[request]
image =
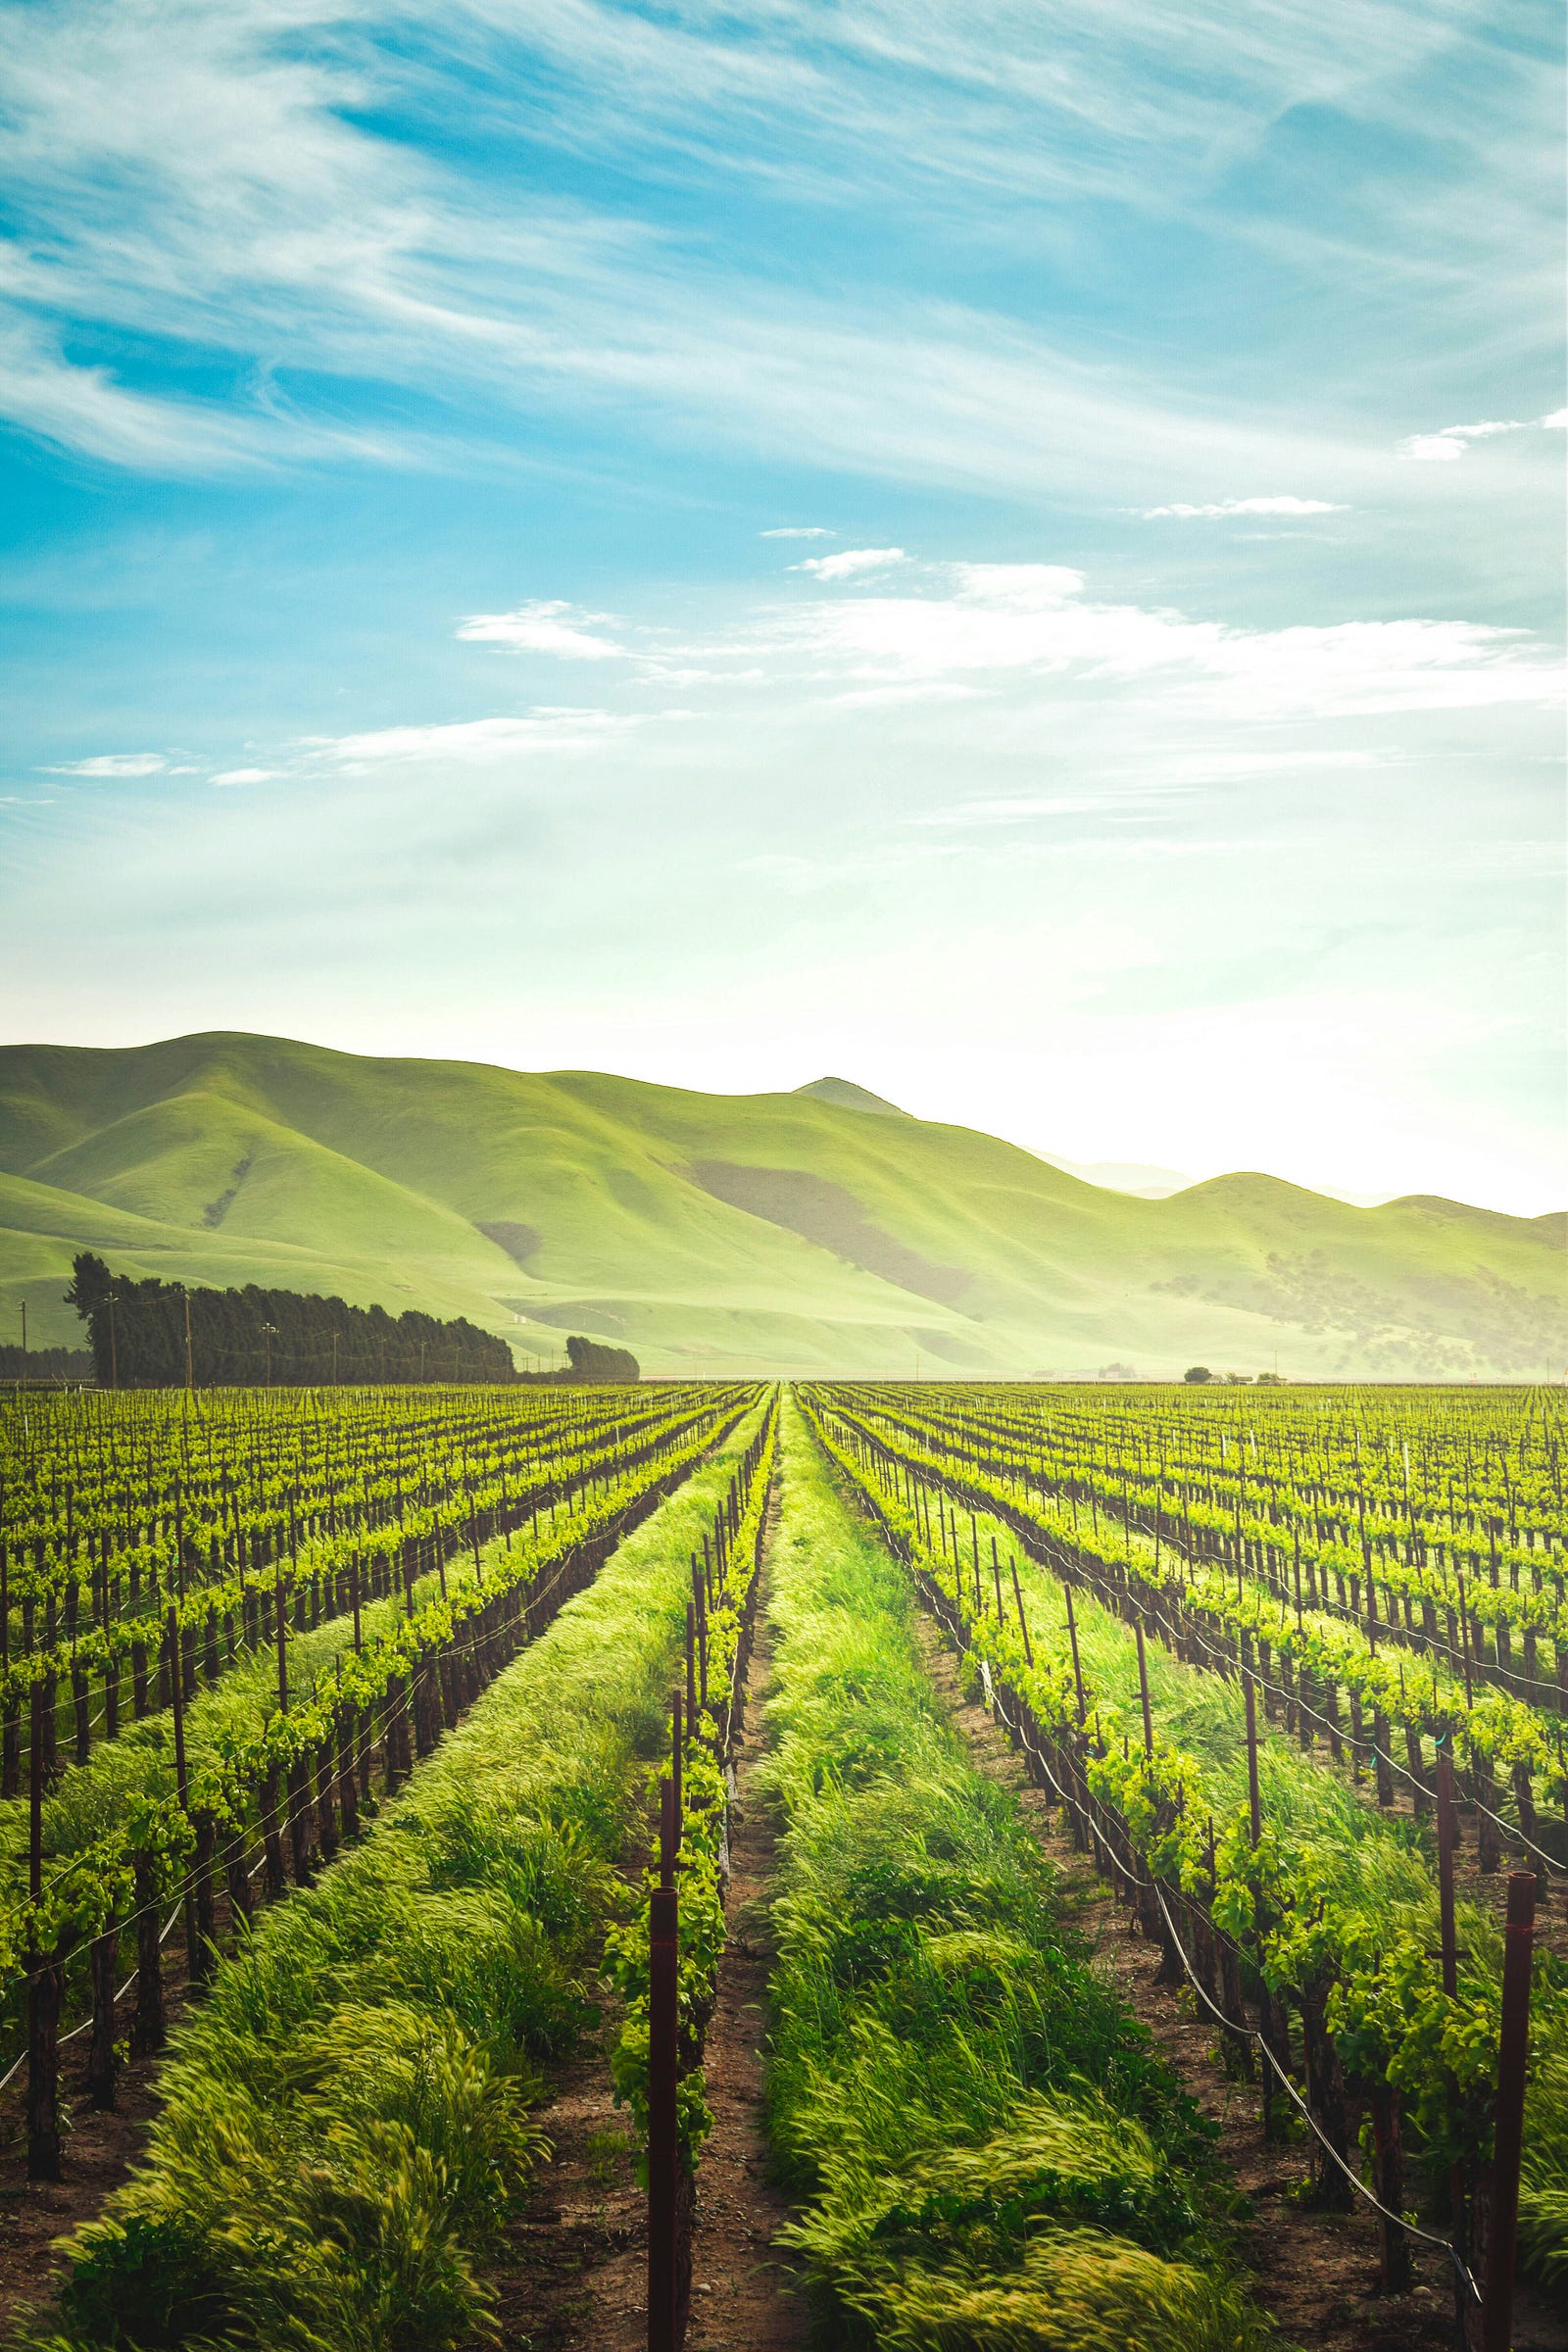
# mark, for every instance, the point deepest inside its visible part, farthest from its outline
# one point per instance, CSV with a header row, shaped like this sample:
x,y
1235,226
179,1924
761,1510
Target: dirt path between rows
x,y
576,2273
1315,2272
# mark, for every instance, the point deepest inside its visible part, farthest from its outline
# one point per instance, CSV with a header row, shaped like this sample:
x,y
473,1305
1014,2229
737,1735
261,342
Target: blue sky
x,y
1012,553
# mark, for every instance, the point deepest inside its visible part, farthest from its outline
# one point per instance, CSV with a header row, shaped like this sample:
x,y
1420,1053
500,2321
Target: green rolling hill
x,y
821,1231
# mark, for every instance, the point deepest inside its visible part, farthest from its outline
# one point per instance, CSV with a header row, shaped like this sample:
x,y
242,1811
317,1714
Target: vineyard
x,y
1151,1807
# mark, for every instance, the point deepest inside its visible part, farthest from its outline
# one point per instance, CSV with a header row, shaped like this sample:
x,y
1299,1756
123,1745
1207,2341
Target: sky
x,y
1007,550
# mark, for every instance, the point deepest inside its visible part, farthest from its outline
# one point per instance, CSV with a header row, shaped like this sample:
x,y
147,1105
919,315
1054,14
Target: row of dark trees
x,y
45,1363
156,1333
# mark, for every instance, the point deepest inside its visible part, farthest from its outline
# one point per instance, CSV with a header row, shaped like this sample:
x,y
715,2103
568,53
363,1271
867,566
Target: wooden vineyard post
x,y
149,2027
1254,1822
193,1947
43,1985
1023,1623
662,2030
1077,1669
1496,2323
1142,1686
676,1776
103,2065
1448,1955
700,1603
691,1661
1254,1802
1389,2176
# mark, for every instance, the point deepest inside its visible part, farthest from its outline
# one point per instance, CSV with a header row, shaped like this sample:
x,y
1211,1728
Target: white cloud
x,y
806,530
1024,645
475,741
1035,619
113,763
543,628
1442,447
1432,449
1252,505
851,561
1557,421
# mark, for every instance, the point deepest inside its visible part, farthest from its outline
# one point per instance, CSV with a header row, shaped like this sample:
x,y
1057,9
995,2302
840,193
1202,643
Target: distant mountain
x,y
787,1233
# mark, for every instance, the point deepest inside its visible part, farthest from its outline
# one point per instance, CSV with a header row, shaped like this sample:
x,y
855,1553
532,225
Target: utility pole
x,y
190,1377
267,1332
24,1332
113,1361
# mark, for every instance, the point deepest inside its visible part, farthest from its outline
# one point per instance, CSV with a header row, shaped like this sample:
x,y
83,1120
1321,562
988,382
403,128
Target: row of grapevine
x,y
1386,1565
74,1617
263,1780
1480,1463
1344,1934
347,2121
1226,1581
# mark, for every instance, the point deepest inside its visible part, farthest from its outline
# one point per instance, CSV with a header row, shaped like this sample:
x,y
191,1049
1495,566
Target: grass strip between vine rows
x,y
988,2151
346,2117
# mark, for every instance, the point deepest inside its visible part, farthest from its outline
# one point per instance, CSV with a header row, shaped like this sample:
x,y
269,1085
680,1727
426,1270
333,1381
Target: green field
x,y
816,1231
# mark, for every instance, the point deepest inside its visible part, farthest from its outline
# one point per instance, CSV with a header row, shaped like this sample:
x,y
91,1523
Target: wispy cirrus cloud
x,y
113,763
261,192
473,742
798,530
1224,506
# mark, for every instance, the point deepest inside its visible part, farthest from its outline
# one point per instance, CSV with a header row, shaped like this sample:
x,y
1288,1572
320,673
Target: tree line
x,y
155,1333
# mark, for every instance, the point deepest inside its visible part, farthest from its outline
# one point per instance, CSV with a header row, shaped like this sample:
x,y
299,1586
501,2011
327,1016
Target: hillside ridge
x,y
818,1229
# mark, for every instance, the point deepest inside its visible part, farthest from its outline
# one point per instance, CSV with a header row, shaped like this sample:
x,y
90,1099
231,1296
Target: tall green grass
x,y
988,2151
346,2119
